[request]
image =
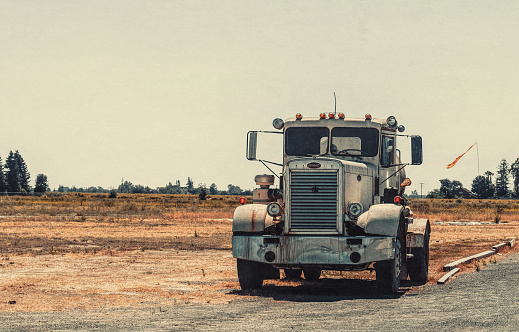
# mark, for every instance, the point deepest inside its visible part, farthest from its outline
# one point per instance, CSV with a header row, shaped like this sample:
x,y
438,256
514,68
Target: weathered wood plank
x,y
484,254
499,246
511,243
448,275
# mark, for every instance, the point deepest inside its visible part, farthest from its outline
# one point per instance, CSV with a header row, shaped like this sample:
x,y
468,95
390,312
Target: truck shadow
x,y
325,290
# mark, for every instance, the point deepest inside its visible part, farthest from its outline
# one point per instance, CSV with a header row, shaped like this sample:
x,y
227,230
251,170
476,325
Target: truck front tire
x,y
388,272
250,274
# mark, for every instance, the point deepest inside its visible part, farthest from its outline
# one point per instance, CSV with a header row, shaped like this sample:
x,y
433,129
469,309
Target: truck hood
x,y
354,167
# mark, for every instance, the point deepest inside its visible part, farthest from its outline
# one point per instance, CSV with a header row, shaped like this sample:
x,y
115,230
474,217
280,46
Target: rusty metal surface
x,y
418,226
324,250
251,218
381,219
415,240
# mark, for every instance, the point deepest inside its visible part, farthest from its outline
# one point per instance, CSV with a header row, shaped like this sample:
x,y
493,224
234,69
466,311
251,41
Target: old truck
x,y
340,205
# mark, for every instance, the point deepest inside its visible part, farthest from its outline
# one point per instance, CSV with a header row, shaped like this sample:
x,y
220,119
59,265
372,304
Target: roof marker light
x,y
341,115
331,116
397,200
243,200
368,117
299,116
322,116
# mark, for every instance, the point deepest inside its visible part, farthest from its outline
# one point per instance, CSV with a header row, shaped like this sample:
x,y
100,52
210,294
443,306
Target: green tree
x,y
483,187
23,173
3,184
41,185
503,171
514,170
233,190
449,188
489,175
436,193
126,187
202,195
213,189
12,174
190,186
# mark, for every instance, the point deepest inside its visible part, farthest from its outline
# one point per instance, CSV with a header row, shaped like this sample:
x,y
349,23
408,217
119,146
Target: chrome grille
x,y
313,201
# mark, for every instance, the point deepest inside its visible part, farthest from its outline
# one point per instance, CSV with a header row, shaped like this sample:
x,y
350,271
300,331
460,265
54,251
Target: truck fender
x,y
251,218
416,233
381,219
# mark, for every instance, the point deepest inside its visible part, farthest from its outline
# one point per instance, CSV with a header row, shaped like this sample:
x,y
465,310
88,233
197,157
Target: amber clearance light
x,y
397,200
299,116
341,115
243,200
322,116
331,116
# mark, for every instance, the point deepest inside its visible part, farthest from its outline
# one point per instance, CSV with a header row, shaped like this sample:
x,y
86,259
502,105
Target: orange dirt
x,y
57,262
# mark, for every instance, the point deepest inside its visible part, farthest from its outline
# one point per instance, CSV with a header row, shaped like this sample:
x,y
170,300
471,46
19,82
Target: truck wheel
x,y
312,273
293,273
419,264
388,272
250,274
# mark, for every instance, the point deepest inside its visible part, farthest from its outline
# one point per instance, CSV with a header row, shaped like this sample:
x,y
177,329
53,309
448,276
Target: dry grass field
x,y
69,251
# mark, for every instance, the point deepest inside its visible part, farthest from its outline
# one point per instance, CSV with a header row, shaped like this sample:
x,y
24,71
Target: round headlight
x,y
278,123
391,121
274,209
354,209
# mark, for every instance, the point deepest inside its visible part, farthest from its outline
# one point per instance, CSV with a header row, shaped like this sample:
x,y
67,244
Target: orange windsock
x,y
455,161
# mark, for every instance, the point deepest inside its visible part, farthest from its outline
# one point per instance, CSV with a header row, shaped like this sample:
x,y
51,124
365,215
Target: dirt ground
x,y
52,263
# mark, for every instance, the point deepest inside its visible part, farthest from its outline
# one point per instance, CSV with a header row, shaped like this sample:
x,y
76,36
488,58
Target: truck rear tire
x,y
293,273
250,274
418,266
388,272
312,273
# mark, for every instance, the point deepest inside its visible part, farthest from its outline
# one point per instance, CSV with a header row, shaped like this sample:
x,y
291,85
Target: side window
x,y
388,150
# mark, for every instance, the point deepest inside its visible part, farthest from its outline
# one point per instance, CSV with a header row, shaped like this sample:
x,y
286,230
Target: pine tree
x,y
514,170
12,174
502,179
23,173
3,184
190,186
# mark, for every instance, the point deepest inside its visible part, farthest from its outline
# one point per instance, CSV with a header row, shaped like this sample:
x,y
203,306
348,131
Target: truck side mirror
x,y
252,143
416,150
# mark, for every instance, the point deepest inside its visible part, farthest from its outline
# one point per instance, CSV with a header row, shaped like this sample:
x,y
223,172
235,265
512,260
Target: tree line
x,y
15,177
126,187
177,188
483,186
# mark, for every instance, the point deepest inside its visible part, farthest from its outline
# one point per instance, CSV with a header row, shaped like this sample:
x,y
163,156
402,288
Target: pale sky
x,y
155,91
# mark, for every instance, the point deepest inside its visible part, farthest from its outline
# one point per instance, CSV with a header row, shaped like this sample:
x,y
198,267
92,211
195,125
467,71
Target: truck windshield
x,y
360,142
303,141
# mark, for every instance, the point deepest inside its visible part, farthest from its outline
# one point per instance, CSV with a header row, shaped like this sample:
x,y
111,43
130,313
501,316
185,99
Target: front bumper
x,y
313,250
